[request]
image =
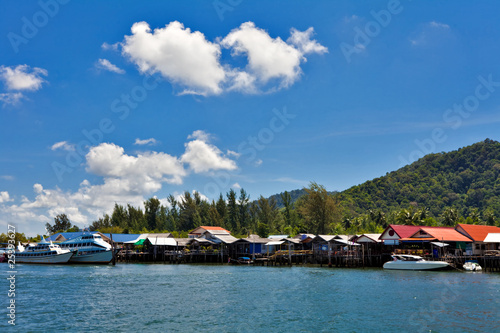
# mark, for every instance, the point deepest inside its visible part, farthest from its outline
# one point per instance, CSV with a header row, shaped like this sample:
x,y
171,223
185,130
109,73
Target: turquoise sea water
x,y
223,298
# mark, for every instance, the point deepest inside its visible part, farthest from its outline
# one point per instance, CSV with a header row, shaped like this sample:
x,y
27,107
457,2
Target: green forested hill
x,y
461,186
466,180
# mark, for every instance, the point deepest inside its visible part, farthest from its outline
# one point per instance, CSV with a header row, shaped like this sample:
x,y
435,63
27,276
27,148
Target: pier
x,y
294,258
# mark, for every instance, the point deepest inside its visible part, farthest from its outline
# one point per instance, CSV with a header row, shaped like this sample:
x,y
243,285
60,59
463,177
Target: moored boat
x,y
414,263
43,253
92,249
472,266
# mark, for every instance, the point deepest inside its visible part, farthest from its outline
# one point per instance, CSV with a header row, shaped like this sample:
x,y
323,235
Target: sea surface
x,y
223,298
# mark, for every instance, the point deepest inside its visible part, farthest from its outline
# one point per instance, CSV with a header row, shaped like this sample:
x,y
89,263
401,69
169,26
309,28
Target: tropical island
x,y
442,189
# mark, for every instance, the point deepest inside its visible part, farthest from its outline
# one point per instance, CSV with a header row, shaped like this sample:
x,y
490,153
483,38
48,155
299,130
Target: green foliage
x,y
466,181
61,224
462,186
18,237
319,210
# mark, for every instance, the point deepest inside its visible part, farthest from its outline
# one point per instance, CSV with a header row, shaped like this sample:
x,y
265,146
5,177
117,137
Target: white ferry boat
x,y
414,263
92,249
43,253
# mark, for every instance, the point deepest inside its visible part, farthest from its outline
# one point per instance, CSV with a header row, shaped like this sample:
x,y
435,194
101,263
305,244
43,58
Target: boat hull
x,y
62,258
103,257
417,266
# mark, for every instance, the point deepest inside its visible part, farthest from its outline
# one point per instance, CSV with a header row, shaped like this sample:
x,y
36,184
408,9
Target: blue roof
x,y
122,238
68,235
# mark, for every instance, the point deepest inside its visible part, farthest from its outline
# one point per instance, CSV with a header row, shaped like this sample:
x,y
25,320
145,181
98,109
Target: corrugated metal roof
x,y
293,240
338,240
344,237
218,232
162,241
68,235
183,241
202,229
255,239
277,236
226,239
492,238
369,238
325,238
275,243
202,240
446,234
402,231
478,232
124,238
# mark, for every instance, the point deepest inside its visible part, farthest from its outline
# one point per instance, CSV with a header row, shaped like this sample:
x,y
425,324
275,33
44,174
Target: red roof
x,y
403,231
200,230
445,234
213,228
478,232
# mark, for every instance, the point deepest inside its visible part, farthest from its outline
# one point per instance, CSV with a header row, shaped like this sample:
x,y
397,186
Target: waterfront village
x,y
212,244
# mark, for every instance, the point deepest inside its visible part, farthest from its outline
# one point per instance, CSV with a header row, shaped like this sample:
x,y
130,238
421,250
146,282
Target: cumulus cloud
x,y
22,77
188,60
202,156
143,172
11,98
125,179
112,47
140,142
64,145
268,58
4,196
302,40
200,135
236,185
184,57
105,64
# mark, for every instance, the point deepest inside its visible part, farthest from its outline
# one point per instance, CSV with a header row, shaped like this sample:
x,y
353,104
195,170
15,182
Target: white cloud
x,y
302,40
22,77
38,188
140,142
439,25
7,177
184,57
200,135
258,162
179,197
125,179
143,173
202,156
188,60
11,98
4,196
233,153
236,185
64,145
112,47
431,33
108,66
268,58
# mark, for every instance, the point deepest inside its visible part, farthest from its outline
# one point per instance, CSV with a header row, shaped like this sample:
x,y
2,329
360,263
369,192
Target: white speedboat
x,y
43,253
414,263
92,249
472,266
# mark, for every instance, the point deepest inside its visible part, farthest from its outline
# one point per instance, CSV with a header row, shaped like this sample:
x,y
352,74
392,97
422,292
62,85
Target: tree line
x,y
315,212
443,189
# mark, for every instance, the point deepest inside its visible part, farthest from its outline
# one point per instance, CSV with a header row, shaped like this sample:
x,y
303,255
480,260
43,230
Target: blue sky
x,y
119,101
